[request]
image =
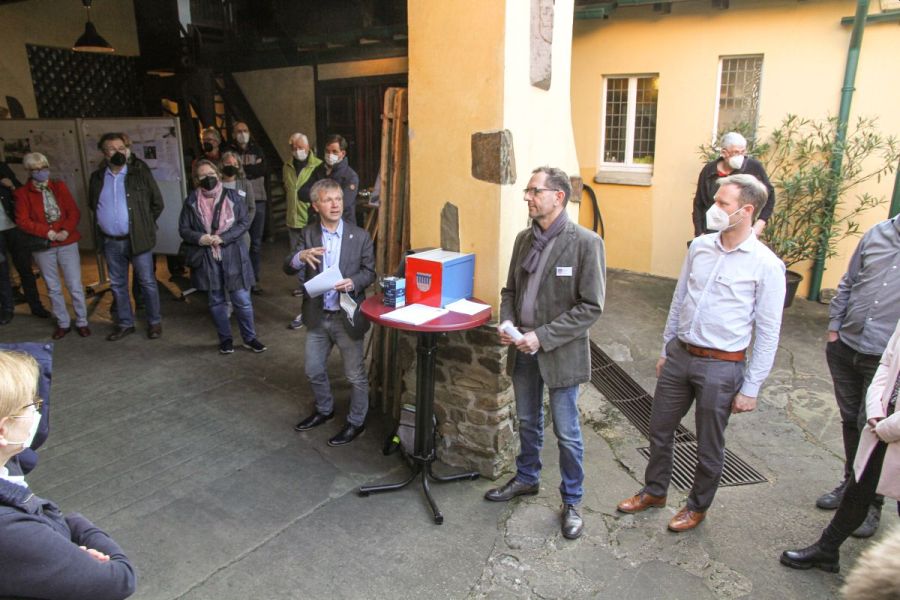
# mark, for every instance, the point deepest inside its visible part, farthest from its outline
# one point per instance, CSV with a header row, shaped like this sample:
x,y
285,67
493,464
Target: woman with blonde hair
x,y
43,553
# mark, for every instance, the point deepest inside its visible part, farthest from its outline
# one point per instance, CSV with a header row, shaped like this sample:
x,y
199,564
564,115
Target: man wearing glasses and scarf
x,y
553,294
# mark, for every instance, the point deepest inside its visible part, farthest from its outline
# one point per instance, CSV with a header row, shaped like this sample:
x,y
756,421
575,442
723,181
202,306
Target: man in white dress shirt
x,y
731,286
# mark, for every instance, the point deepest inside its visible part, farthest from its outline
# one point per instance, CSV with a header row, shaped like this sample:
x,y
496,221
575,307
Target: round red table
x,y
426,347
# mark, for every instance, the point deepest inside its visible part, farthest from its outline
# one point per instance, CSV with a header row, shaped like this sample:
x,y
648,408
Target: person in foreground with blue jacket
x,y
43,553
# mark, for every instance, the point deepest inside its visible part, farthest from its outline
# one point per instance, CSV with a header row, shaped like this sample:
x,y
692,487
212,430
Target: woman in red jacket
x,y
46,209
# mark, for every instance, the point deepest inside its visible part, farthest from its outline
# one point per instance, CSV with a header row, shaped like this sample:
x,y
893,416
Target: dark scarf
x,y
540,239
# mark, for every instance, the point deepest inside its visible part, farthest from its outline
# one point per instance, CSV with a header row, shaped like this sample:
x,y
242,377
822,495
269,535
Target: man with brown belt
x,y
731,285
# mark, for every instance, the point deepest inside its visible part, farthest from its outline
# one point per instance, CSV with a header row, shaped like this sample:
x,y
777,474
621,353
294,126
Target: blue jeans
x,y
529,389
118,255
243,310
257,227
319,342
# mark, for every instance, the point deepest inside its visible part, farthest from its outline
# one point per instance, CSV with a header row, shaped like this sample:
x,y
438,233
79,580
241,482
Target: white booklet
x,y
323,282
349,306
467,307
415,314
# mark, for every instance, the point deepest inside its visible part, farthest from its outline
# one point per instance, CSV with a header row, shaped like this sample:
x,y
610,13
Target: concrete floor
x,y
190,461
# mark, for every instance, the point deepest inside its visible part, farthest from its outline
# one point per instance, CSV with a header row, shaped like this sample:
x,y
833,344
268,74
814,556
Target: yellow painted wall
x,y
55,23
456,88
284,101
805,49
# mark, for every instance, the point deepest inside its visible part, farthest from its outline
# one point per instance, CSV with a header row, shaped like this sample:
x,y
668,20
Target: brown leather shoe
x,y
686,519
119,333
83,331
60,333
640,502
154,332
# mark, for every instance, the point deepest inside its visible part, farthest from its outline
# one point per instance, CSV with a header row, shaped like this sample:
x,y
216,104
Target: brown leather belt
x,y
736,356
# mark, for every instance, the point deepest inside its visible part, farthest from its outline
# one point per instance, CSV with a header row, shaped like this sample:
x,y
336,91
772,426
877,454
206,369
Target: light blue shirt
x,y
112,207
724,296
332,243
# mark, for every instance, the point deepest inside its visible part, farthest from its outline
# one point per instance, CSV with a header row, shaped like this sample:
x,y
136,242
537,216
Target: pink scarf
x,y
206,204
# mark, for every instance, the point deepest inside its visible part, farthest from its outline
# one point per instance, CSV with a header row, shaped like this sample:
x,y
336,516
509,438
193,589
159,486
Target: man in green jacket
x,y
554,292
126,203
297,175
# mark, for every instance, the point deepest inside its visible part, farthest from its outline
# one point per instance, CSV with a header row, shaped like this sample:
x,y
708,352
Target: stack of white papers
x,y
415,314
323,282
467,307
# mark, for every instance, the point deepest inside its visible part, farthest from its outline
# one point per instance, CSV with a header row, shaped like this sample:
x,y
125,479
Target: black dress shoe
x,y
154,332
832,499
6,317
119,333
313,420
40,312
349,433
510,490
572,524
813,556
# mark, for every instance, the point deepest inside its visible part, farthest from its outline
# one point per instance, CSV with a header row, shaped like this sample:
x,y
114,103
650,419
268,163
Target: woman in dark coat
x,y
212,224
43,553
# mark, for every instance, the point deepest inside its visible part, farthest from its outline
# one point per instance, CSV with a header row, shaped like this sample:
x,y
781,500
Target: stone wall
x,y
473,400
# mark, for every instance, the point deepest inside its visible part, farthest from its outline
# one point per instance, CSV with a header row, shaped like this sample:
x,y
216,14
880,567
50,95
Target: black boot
x,y
818,555
832,499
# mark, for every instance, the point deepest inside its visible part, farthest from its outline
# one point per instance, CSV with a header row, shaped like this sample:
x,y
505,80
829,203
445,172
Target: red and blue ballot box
x,y
439,277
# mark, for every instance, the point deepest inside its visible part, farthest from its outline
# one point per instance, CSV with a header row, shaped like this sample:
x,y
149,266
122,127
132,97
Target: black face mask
x,y
207,147
209,182
229,170
118,159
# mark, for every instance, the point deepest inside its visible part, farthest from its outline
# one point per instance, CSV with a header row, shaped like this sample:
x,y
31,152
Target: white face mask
x,y
332,159
242,137
301,154
717,219
36,420
736,161
231,185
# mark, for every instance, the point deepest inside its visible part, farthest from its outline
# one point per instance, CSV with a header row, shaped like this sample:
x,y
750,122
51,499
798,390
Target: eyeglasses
x,y
534,191
37,404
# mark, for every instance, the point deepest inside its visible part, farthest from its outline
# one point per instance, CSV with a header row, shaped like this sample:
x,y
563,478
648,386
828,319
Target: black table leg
x,y
424,454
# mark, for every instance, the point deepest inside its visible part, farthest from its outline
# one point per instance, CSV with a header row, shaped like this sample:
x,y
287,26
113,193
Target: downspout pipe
x,y
895,199
837,159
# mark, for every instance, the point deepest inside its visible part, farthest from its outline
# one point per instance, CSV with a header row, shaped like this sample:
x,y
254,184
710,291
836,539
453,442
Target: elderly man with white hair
x,y
297,175
733,160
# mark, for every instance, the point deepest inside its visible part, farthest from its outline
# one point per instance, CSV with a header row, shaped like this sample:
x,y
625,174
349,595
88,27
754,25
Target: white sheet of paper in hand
x,y
349,306
323,282
467,307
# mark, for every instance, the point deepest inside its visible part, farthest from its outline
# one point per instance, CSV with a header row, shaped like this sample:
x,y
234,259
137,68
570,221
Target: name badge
x,y
241,193
563,271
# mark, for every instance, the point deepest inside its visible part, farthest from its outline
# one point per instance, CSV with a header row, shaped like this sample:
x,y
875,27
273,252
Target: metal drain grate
x,y
636,404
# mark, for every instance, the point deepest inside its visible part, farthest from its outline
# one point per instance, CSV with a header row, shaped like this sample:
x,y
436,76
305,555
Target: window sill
x,y
624,177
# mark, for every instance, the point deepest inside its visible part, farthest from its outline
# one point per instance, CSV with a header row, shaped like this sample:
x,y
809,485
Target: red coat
x,y
30,216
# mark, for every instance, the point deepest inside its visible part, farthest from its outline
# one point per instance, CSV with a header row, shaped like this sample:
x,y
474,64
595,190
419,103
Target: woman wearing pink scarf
x,y
213,221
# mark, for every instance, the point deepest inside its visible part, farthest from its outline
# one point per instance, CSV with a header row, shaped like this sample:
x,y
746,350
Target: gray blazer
x,y
566,306
357,262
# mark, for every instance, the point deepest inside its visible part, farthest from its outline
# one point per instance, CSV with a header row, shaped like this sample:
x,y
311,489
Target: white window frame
x,y
715,128
628,172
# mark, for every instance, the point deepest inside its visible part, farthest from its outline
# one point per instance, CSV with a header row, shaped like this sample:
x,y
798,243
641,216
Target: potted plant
x,y
798,157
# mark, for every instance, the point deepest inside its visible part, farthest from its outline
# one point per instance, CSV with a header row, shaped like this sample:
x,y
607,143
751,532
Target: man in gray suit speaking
x,y
554,293
327,243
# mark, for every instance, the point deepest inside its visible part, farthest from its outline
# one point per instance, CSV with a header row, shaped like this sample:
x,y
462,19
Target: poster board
x,y
57,139
156,141
71,147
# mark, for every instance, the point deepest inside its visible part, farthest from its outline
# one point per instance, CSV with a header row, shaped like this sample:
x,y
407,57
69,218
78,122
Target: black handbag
x,y
32,243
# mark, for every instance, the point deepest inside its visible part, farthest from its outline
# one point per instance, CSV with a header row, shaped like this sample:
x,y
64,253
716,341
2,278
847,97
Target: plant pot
x,y
793,282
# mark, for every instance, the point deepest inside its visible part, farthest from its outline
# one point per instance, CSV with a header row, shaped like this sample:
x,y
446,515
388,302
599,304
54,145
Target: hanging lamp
x,y
90,40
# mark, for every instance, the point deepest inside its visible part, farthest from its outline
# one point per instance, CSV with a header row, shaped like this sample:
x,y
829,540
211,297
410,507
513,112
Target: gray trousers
x,y
713,384
68,260
319,342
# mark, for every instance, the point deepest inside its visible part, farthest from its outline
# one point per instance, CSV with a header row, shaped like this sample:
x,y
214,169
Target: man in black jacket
x,y
335,166
733,161
326,244
254,160
12,242
126,203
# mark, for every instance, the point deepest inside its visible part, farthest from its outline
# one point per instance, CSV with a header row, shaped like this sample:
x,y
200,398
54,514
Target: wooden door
x,y
352,108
